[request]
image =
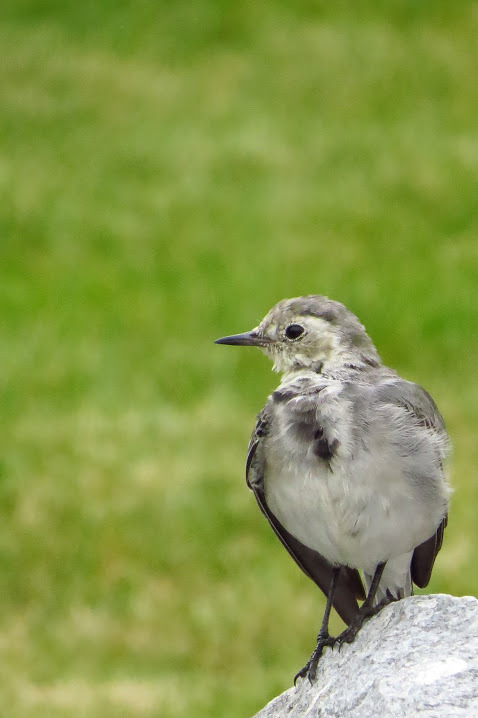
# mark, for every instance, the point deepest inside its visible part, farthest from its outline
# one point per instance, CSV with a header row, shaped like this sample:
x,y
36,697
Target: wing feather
x,y
421,406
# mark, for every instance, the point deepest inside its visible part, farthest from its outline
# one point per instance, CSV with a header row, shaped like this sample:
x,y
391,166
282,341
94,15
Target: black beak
x,y
248,339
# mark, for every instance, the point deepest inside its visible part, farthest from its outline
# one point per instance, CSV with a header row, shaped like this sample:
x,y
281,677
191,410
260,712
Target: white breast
x,y
358,509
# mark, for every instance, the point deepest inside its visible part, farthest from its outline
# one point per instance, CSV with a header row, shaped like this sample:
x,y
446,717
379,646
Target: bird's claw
x,y
348,636
310,668
365,612
302,673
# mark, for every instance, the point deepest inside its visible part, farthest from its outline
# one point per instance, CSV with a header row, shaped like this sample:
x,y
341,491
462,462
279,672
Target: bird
x,y
347,463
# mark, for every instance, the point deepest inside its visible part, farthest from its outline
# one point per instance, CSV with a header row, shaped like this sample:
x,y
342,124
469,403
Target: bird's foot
x,y
310,669
365,612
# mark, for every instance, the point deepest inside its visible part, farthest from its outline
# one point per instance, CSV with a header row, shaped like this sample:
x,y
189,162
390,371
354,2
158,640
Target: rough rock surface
x,y
417,657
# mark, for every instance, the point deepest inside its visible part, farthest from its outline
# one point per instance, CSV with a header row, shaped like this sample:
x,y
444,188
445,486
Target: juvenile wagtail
x,y
346,462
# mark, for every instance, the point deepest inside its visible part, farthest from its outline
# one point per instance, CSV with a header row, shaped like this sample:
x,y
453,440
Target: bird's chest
x,y
315,504
306,485
326,491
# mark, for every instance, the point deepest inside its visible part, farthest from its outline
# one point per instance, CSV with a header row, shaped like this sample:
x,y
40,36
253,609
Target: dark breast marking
x,y
281,395
322,448
310,433
262,427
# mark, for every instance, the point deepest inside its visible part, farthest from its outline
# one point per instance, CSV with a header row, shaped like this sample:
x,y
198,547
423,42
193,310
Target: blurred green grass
x,y
167,173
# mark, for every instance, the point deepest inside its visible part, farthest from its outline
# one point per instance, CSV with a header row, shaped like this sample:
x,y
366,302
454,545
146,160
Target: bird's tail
x,y
396,579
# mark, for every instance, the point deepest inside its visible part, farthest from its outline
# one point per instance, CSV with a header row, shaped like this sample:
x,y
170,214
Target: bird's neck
x,y
344,364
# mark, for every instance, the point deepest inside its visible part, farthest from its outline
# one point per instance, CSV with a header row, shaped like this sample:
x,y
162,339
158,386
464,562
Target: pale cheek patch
x,y
320,343
321,339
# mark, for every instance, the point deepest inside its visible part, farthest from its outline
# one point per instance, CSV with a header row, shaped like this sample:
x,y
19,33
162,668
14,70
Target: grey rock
x,y
417,657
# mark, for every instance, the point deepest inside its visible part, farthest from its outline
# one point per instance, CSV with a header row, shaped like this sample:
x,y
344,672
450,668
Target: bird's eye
x,y
293,331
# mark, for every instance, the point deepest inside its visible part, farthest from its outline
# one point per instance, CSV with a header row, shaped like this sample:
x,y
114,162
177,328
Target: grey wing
x,y
418,402
316,567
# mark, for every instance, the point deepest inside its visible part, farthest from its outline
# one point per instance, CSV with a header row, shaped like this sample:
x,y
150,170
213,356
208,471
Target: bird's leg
x,y
366,610
323,638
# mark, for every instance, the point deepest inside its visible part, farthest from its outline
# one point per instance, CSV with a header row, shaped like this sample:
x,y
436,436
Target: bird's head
x,y
311,332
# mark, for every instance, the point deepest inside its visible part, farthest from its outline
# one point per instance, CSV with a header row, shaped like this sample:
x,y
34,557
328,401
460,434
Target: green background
x,y
168,171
